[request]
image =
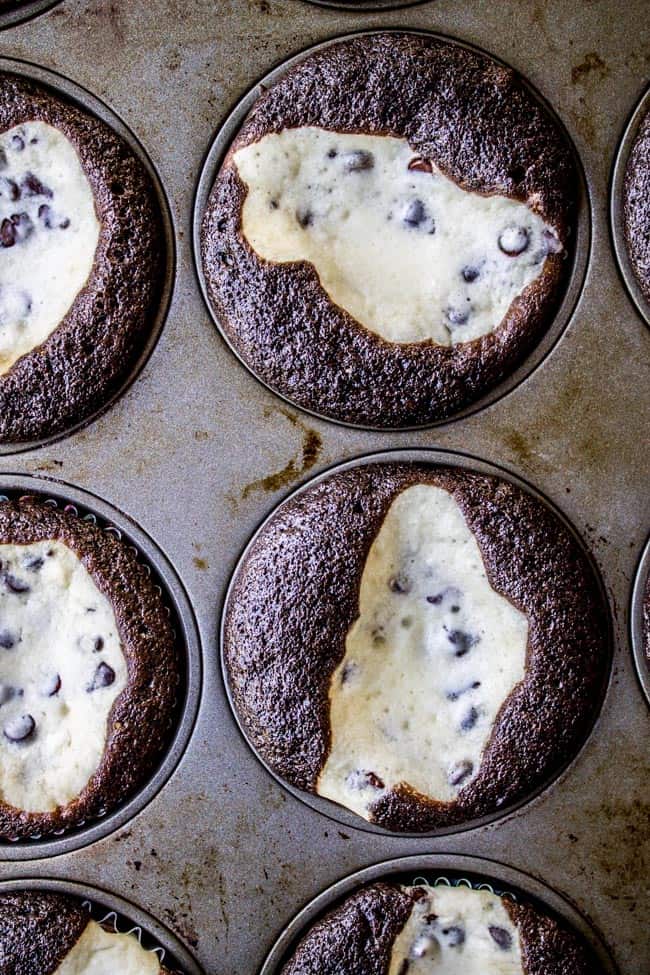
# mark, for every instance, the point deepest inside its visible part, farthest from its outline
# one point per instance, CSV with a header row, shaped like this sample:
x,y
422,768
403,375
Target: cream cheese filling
x,y
457,931
61,669
100,952
402,248
429,661
49,233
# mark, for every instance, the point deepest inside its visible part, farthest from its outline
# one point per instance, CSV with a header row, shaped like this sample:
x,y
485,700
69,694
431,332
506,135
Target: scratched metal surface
x,y
197,452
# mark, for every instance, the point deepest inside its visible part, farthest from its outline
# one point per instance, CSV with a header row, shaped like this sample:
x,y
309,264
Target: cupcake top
x,y
89,671
636,213
81,261
53,934
384,258
447,930
439,661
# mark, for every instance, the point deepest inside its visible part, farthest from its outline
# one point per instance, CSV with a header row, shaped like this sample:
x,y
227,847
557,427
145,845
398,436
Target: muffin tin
x,y
25,11
198,452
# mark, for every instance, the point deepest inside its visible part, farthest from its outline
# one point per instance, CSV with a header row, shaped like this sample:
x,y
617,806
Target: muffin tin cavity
x,y
62,667
429,662
14,12
640,621
48,235
404,249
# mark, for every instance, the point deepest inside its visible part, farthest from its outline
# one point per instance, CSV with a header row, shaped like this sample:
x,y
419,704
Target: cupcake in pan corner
x,y
423,646
387,236
82,261
44,933
89,672
452,930
636,211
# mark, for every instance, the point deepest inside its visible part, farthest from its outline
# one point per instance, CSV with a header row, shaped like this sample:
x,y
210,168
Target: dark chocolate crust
x,y
484,129
636,209
83,363
296,595
141,719
646,618
37,930
357,937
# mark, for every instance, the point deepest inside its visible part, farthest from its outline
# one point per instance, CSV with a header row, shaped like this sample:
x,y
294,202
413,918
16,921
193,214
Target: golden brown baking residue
x,y
200,563
297,466
592,62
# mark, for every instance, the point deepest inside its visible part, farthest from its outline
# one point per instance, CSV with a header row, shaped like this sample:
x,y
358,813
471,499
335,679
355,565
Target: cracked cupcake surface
x,y
81,261
390,929
89,671
433,663
636,211
44,933
386,257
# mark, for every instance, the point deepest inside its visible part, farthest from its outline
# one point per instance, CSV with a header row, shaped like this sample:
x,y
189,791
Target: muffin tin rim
x,y
174,592
582,236
530,886
642,663
113,903
435,456
367,6
27,11
65,88
616,210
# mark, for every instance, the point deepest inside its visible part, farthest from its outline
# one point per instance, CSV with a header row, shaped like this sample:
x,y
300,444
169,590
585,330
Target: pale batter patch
x,y
457,931
48,235
61,669
100,952
402,248
428,663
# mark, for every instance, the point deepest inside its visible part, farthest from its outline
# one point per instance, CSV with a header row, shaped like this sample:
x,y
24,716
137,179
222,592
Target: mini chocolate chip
x,y
460,772
435,600
457,316
347,672
99,644
273,205
420,165
20,728
514,240
332,153
469,720
7,233
50,220
34,563
15,229
3,159
305,218
17,143
51,685
399,583
9,189
7,639
454,609
462,641
104,677
454,695
32,186
358,161
14,584
454,936
470,274
8,693
502,937
415,214
363,780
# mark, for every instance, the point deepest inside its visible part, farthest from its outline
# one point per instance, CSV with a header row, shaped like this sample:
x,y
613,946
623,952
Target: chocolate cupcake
x,y
424,646
82,261
387,929
636,209
387,236
89,671
43,933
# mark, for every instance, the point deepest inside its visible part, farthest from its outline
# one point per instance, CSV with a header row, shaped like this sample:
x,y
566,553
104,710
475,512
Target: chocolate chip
x,y
358,161
273,205
469,720
419,165
364,780
91,644
454,695
8,693
348,671
332,153
104,677
34,563
51,685
460,772
7,639
305,218
50,220
3,159
15,229
400,583
14,584
502,937
454,936
470,274
435,600
20,728
17,143
462,641
514,240
454,609
457,316
415,214
9,189
32,186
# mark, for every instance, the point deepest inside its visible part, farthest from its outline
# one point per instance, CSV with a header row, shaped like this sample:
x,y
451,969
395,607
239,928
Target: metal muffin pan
x,y
636,621
25,11
121,916
442,868
182,618
616,205
89,103
443,458
198,452
573,286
